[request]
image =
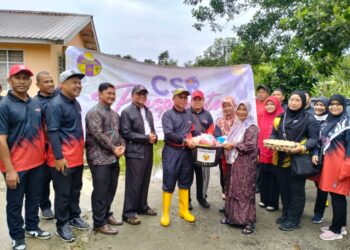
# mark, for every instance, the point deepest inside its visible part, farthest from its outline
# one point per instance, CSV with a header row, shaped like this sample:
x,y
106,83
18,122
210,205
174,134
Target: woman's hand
x,y
228,146
299,148
315,159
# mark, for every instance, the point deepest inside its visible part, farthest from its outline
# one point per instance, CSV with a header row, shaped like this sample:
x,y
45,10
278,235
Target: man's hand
x,y
119,151
12,179
190,143
60,164
152,138
315,159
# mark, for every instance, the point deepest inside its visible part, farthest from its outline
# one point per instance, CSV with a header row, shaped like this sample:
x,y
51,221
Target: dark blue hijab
x,y
332,120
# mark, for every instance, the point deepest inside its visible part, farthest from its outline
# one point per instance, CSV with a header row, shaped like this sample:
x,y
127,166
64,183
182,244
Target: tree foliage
x,y
290,43
164,59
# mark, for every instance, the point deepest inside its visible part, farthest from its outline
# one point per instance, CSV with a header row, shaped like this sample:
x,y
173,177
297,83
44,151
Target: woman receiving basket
x,y
241,153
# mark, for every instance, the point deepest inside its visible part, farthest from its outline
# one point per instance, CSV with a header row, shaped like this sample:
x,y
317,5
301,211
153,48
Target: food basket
x,y
279,145
206,156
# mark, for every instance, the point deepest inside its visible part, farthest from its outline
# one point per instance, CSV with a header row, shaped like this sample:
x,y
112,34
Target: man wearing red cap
x,y
22,156
203,123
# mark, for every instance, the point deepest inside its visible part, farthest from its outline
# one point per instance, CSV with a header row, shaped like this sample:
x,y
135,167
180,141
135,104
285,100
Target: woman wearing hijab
x,y
222,128
241,151
269,194
321,113
298,126
335,176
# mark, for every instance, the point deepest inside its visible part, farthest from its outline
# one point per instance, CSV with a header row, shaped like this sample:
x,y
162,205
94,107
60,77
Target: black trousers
x,y
292,190
105,182
27,189
177,165
137,179
339,212
321,199
67,194
45,202
201,181
269,193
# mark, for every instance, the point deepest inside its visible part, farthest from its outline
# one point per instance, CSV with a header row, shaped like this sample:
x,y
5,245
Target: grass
x,y
157,159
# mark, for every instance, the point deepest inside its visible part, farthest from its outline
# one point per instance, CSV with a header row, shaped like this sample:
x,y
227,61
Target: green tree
x,y
320,29
150,61
164,59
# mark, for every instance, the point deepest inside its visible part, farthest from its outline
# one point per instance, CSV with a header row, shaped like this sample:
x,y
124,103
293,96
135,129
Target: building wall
x,y
39,57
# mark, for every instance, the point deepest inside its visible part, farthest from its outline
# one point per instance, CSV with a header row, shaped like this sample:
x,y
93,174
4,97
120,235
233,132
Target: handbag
x,y
302,166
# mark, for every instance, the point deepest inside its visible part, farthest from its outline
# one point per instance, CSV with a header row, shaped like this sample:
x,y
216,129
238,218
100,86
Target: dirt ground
x,y
205,233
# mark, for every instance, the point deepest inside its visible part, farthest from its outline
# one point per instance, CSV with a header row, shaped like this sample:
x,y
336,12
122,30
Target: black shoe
x,y
47,214
19,245
289,226
281,220
38,234
79,224
190,206
222,210
65,233
204,203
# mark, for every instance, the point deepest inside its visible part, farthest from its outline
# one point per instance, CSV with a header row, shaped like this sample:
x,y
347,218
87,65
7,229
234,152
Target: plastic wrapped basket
x,y
206,156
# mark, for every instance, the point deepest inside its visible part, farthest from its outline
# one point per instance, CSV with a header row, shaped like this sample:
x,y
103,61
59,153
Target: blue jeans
x,y
30,188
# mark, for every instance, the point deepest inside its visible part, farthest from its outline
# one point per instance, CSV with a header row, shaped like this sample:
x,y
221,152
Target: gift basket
x,y
207,152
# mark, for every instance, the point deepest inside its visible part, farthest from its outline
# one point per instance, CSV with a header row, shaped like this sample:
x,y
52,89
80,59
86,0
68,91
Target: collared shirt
x,y
63,120
203,122
177,126
102,135
21,121
145,122
45,99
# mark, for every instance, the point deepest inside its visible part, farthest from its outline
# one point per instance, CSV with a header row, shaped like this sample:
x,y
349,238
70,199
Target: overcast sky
x,y
141,28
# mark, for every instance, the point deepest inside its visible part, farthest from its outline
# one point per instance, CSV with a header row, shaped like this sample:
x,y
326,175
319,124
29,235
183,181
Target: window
x,y
7,59
61,63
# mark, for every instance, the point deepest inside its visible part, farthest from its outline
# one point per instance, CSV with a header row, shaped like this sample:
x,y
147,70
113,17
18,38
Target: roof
x,y
45,27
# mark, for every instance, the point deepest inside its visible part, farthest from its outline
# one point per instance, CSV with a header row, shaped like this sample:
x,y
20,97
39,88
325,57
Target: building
x,y
39,39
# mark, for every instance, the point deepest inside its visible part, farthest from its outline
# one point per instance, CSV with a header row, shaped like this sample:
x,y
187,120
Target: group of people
x,y
323,132
42,140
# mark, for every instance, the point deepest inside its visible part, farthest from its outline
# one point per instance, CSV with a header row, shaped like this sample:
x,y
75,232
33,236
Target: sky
x,y
140,28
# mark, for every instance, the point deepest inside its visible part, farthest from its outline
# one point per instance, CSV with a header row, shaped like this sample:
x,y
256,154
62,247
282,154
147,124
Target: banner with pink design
x,y
160,81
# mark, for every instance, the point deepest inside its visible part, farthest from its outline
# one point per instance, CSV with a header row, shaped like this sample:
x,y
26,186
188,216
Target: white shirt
x,y
145,121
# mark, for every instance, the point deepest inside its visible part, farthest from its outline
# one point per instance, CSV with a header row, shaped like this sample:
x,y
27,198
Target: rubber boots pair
x,y
183,206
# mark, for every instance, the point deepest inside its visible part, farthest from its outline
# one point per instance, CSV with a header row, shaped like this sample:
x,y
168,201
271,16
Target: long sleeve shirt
x,y
102,135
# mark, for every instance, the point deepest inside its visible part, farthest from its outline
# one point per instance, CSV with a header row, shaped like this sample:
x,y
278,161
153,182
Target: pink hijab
x,y
225,123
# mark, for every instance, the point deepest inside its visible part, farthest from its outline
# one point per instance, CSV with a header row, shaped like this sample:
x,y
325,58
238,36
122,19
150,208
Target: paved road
x,y
206,233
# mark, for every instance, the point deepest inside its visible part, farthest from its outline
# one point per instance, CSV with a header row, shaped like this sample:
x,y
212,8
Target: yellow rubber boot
x,y
183,206
165,219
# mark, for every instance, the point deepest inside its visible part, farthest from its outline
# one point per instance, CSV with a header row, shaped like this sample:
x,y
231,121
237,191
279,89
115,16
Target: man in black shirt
x,y
46,92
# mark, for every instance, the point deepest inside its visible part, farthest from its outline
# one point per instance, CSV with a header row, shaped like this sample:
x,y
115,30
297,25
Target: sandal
x,y
248,229
149,211
224,221
132,220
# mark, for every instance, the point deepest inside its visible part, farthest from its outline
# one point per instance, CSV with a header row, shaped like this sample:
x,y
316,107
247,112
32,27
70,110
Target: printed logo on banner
x,y
88,64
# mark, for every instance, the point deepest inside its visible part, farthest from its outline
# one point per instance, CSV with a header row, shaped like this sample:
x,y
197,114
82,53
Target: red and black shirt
x,y
63,120
21,121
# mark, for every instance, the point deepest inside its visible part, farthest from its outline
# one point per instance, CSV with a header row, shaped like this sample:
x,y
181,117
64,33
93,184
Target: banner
x,y
160,81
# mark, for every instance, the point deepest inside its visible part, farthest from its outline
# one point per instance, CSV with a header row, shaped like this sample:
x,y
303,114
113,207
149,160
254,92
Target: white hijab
x,y
237,132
